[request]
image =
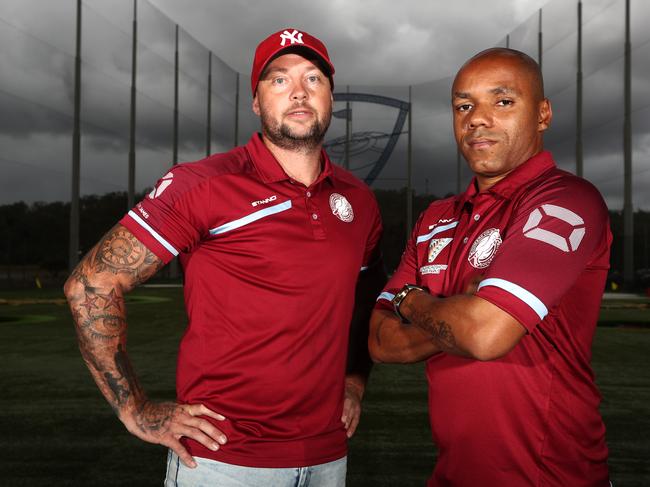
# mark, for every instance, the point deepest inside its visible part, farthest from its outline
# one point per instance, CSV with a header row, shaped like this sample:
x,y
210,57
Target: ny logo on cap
x,y
293,37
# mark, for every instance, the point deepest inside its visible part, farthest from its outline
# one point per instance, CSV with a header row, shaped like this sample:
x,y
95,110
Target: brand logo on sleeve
x,y
484,248
341,207
264,201
142,211
568,243
436,246
166,180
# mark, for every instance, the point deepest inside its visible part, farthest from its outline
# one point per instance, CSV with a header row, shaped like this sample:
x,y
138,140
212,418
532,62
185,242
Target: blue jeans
x,y
210,473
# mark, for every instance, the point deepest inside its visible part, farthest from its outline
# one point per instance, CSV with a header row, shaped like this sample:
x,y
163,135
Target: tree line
x,y
37,234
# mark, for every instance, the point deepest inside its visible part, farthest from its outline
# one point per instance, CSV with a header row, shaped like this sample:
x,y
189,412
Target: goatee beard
x,y
282,136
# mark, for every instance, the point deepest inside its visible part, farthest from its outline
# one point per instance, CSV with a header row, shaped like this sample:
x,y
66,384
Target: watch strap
x,y
400,296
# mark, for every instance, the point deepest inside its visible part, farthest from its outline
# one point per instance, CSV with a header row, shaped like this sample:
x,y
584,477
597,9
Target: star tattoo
x,y
89,303
112,299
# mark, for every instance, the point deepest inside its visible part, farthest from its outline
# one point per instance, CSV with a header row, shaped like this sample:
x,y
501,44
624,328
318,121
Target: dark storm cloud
x,y
372,42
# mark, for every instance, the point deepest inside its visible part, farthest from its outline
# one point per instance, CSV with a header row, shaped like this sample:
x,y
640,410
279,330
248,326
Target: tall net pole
x,y
173,265
208,125
348,131
540,41
134,50
236,141
579,155
409,173
73,249
628,211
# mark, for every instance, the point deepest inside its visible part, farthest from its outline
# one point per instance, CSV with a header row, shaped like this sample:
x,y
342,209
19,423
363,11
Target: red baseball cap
x,y
283,40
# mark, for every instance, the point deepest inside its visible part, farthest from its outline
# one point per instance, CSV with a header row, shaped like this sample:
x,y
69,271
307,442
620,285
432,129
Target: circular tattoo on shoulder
x,y
120,252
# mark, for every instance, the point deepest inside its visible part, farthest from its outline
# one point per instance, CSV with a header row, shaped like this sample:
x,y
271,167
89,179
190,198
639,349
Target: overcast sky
x,y
372,42
378,47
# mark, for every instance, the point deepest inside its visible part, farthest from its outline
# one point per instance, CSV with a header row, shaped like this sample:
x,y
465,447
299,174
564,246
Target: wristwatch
x,y
399,297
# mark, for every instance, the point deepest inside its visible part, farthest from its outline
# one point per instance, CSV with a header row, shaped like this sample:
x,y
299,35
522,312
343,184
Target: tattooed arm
x,y
95,292
464,325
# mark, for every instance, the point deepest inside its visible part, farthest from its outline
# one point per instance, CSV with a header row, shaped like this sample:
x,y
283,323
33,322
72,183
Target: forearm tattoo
x,y
118,263
439,331
125,381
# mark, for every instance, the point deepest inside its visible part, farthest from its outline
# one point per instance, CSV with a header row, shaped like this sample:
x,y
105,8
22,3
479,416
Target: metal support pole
x,y
628,210
579,155
134,43
508,41
645,244
237,112
73,248
173,265
540,44
409,174
208,130
175,143
346,161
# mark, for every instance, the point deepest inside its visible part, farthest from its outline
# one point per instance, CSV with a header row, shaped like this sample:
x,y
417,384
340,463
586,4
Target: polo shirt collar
x,y
269,168
521,176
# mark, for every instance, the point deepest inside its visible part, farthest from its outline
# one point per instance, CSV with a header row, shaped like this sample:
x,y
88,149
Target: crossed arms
x,y
464,325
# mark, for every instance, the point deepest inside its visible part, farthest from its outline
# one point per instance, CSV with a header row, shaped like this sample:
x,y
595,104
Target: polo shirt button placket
x,y
314,215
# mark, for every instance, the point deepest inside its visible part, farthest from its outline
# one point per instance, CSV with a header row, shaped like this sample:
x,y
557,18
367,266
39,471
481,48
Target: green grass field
x,y
56,429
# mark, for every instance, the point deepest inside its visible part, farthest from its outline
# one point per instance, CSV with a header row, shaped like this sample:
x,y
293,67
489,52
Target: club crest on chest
x,y
341,207
484,248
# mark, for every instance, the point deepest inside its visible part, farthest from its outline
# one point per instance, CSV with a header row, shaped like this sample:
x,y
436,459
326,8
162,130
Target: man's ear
x,y
256,105
545,115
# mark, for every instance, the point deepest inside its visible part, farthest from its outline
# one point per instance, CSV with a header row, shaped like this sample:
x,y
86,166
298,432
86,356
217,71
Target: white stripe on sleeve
x,y
386,295
526,296
153,233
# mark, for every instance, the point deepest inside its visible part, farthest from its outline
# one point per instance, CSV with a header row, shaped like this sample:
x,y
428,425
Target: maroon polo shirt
x,y
270,271
539,241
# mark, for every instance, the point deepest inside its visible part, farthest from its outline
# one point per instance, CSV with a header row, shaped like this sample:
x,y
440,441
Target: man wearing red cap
x,y
274,241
